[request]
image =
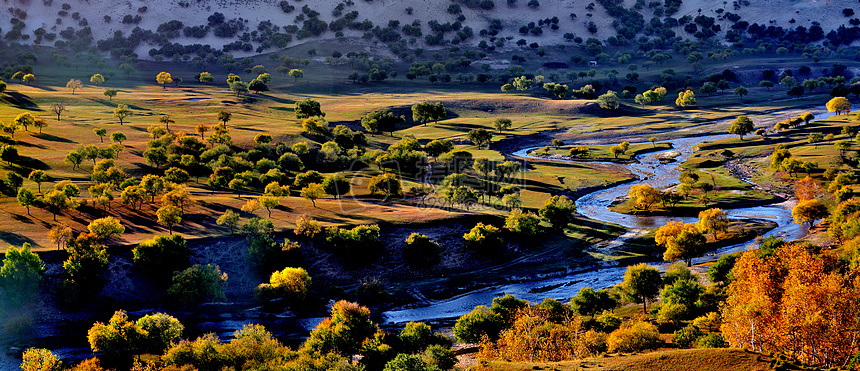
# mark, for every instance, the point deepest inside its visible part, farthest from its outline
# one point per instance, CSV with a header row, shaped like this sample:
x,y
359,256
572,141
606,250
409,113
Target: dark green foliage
x,y
589,302
507,307
354,245
480,321
198,284
421,250
721,270
687,336
20,275
162,255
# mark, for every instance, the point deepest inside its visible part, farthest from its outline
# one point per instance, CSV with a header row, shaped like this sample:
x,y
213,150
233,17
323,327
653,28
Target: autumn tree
x,y
290,283
682,241
387,185
713,221
343,332
641,283
73,85
106,227
809,211
313,192
643,196
24,120
163,78
97,79
839,105
40,359
686,99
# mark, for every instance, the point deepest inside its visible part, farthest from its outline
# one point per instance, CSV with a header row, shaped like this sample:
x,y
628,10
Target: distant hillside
x,y
253,27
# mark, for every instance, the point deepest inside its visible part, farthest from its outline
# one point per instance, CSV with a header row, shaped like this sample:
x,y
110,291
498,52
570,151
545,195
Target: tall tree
x,y
641,283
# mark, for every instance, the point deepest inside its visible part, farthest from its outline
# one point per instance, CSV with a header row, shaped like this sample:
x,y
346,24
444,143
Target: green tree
x,y
20,274
308,108
110,93
230,219
480,322
198,284
336,185
169,216
26,198
558,211
38,177
641,283
741,126
589,302
741,91
162,255
257,86
378,121
426,111
480,137
502,124
239,88
421,250
296,74
101,132
121,112
609,101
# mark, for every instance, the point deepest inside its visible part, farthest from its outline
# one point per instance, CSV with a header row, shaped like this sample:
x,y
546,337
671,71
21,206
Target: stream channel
x,y
595,205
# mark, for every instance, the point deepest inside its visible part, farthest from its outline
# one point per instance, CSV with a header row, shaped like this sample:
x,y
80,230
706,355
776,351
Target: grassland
x,y
664,360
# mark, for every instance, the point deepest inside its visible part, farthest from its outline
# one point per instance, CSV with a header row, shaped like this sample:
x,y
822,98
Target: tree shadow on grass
x,y
15,239
31,163
53,138
21,101
113,104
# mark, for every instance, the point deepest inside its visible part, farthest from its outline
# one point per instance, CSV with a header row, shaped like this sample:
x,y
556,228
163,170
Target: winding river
x,y
595,205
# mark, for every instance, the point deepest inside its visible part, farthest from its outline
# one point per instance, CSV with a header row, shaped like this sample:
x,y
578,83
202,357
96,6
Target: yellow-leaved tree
x,y
683,241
